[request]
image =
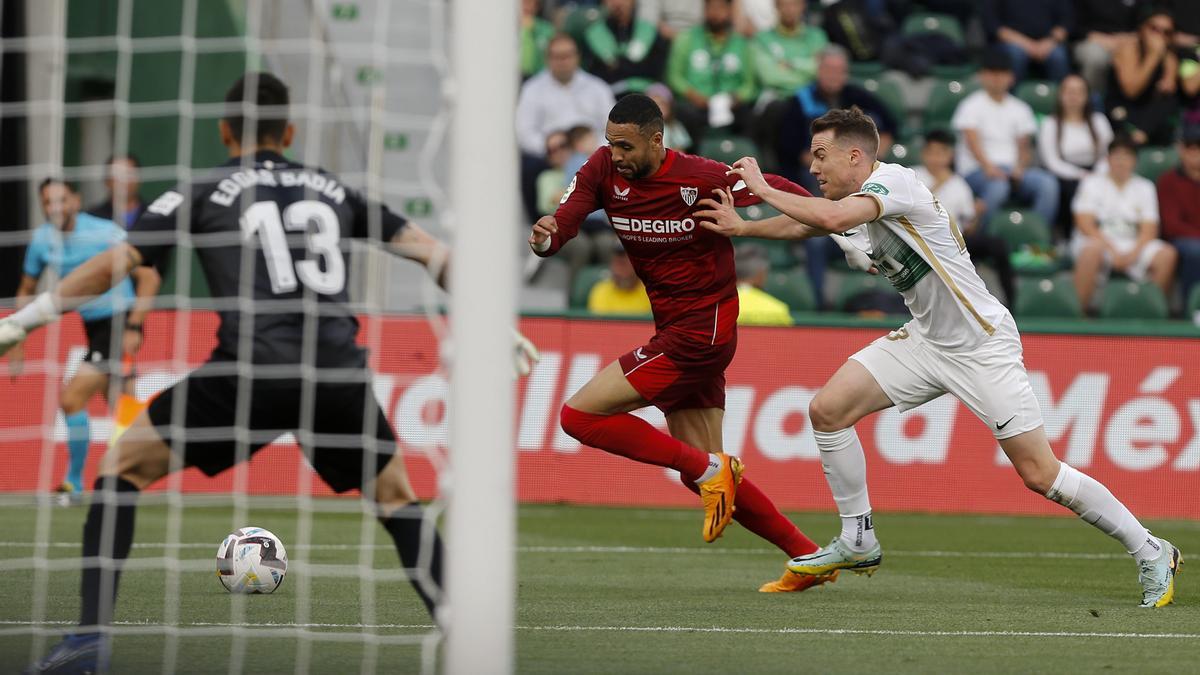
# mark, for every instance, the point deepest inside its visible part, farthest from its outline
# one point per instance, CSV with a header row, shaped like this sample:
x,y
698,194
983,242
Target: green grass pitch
x,y
606,590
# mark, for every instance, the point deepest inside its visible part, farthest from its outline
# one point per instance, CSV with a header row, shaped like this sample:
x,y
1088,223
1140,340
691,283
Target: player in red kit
x,y
650,194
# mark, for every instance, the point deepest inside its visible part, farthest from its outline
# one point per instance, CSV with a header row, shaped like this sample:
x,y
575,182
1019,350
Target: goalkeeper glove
x,y
524,354
857,259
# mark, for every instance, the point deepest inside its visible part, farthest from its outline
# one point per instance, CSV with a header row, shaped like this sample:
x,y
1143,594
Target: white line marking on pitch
x,y
667,550
669,629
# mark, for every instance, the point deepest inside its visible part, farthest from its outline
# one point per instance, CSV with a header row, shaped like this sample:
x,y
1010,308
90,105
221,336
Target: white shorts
x,y
990,379
1140,267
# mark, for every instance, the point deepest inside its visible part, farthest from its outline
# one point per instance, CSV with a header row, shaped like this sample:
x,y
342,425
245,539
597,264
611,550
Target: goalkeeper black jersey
x,y
272,239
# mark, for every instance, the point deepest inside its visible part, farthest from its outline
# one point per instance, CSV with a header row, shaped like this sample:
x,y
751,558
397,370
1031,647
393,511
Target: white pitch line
x,y
666,629
663,550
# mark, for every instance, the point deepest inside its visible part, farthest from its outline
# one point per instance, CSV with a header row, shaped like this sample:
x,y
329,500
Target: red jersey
x,y
687,270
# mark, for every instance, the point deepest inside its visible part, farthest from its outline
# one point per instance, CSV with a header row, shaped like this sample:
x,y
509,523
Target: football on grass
x,y
251,560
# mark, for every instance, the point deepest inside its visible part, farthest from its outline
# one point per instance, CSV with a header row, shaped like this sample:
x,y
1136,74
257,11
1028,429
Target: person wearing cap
x,y
757,307
1179,208
621,292
994,149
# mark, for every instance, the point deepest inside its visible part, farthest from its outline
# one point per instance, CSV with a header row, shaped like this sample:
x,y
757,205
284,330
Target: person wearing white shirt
x,y
560,97
994,150
1116,226
1071,143
937,174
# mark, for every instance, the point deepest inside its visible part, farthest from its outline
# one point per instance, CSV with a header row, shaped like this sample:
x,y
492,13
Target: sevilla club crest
x,y
689,194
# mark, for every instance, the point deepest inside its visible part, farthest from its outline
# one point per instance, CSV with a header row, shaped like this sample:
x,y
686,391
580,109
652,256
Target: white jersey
x,y
917,245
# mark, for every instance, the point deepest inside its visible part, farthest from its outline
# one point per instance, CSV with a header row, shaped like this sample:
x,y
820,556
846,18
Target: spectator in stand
x,y
1189,86
1141,96
756,306
551,182
624,50
830,90
621,292
1072,143
675,135
535,38
937,173
1031,31
994,150
711,73
1101,25
672,17
596,239
1179,206
1116,226
785,57
559,97
751,17
124,202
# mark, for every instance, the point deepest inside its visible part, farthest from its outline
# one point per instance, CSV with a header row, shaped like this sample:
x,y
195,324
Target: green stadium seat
x,y
728,149
955,71
932,22
1041,96
944,99
860,70
1155,161
1020,228
1193,302
905,154
582,284
1125,299
854,283
892,96
792,287
1047,297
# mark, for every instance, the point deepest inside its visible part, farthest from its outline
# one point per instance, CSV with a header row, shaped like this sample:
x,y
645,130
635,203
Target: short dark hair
x,y
939,136
637,109
577,132
271,93
851,123
55,180
1123,141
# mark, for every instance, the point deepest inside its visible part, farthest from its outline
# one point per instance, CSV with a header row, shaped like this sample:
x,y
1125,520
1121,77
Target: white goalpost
x,y
481,523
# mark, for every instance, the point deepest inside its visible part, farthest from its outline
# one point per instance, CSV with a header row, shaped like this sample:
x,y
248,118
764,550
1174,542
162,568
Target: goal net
x,y
382,97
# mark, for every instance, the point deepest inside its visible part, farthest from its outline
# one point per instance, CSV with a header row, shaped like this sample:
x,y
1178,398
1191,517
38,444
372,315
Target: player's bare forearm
x,y
419,246
781,227
97,276
146,283
822,214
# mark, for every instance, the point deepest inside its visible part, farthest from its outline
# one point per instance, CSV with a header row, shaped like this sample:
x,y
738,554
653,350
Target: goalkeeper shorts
x,y
344,432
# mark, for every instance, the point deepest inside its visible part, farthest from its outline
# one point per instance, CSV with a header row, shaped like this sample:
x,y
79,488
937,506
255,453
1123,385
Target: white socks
x,y
714,465
41,311
1097,506
846,472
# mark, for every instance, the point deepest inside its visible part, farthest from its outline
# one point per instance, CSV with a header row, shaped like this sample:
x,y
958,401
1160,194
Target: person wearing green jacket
x,y
785,57
535,38
712,74
623,50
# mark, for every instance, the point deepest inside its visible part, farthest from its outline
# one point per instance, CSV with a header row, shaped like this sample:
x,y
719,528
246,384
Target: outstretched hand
x,y
751,174
719,215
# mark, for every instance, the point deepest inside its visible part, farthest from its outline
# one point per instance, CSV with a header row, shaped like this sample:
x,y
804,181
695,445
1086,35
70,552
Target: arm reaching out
x,y
822,214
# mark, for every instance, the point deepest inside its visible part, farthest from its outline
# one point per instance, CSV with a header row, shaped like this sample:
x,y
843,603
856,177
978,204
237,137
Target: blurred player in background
x,y
68,239
289,220
961,341
650,195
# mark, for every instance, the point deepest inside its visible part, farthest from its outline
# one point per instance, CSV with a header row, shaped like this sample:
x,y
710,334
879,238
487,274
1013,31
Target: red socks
x,y
755,511
638,440
635,438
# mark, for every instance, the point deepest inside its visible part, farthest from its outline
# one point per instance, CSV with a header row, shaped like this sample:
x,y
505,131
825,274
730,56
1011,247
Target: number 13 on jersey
x,y
265,219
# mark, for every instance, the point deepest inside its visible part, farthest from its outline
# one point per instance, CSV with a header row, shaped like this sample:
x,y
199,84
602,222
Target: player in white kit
x,y
960,341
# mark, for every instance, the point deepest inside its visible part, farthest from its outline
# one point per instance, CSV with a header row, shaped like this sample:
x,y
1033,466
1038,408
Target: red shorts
x,y
679,376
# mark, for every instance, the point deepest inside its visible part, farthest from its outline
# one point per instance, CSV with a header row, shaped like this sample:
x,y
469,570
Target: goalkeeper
x,y
270,236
